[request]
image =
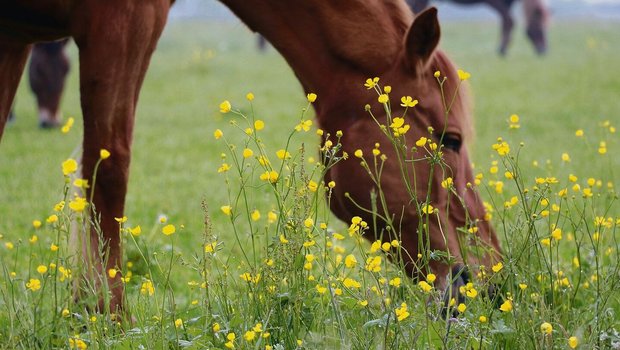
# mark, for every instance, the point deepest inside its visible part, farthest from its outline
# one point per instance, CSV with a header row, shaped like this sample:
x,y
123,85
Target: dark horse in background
x,y
47,72
332,47
535,13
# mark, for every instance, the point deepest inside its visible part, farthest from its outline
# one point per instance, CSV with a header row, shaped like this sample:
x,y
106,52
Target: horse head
x,y
49,66
536,16
406,58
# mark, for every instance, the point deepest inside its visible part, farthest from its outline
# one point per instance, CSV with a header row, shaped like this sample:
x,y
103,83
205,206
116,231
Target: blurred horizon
x,y
560,9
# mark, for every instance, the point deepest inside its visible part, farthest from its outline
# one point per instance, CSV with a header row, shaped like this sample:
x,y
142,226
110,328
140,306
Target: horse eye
x,y
452,142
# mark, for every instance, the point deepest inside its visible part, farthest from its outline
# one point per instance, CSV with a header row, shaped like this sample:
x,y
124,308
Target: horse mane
x,y
374,53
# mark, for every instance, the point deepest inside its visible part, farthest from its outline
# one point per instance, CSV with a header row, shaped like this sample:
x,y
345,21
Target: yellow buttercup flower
x,y
210,247
81,183
259,125
447,183
78,204
383,98
312,186
69,166
546,328
147,288
501,147
565,157
351,283
136,231
373,264
399,127
272,217
506,306
320,289
308,222
303,125
311,97
428,209
463,75
408,101
421,141
271,176
249,96
34,284
283,154
223,168
218,133
247,153
573,342
401,312
65,128
168,230
226,209
104,153
557,234
225,106
249,335
425,286
371,83
350,261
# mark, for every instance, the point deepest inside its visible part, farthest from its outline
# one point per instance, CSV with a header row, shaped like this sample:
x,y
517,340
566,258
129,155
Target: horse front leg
x,y
12,61
113,64
507,24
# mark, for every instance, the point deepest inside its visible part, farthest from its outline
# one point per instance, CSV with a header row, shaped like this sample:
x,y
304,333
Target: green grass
x,y
175,158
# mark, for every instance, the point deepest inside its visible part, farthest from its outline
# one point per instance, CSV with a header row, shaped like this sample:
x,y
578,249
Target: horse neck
x,y
324,40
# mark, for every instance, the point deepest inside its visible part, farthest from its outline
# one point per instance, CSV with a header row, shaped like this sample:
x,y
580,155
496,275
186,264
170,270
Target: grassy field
x,y
175,162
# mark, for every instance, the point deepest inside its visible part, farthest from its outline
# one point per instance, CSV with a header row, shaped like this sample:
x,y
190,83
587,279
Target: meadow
x,y
225,284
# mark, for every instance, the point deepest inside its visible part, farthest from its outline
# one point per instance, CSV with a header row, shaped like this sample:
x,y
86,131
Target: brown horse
x,y
47,72
331,46
535,13
48,69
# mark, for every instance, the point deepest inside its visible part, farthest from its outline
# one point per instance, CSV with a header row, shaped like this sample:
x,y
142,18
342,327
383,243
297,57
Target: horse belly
x,y
29,21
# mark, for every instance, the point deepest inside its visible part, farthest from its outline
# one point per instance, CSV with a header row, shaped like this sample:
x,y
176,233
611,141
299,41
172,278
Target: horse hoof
x,y
48,124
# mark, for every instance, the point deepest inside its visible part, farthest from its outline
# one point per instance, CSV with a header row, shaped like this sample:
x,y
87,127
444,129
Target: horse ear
x,y
422,38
